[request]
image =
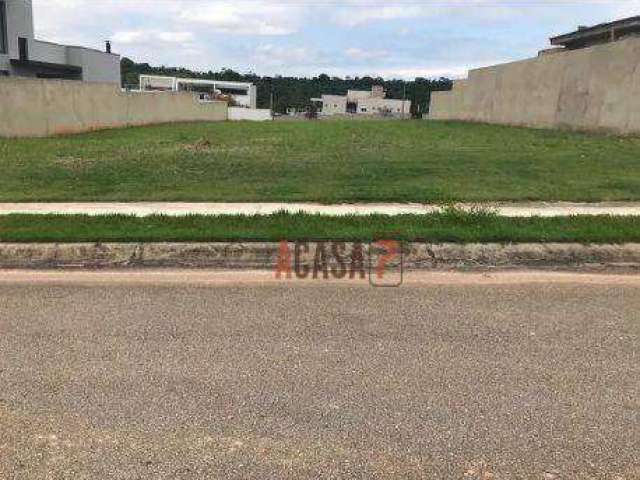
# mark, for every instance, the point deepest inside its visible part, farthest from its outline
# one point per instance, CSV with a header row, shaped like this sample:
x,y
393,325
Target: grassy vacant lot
x,y
331,162
440,227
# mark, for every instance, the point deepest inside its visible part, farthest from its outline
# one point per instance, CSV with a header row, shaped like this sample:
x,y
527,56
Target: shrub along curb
x,y
261,256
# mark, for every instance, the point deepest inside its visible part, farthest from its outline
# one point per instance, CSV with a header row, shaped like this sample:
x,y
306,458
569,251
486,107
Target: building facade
x,y
363,102
244,94
21,54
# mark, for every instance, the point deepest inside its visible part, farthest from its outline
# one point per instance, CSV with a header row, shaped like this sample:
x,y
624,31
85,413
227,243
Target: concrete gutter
x,y
142,209
265,256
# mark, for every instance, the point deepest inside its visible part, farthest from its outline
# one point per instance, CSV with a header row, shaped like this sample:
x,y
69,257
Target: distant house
x,y
363,102
22,55
243,94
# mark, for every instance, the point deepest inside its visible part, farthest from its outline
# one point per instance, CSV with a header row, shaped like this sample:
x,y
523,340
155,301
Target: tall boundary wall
x,y
37,107
592,89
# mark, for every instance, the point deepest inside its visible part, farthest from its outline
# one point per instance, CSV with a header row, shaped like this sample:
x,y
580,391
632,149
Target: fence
x,y
37,107
595,88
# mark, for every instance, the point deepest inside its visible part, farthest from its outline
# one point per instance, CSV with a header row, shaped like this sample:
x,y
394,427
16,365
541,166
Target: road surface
x,y
192,375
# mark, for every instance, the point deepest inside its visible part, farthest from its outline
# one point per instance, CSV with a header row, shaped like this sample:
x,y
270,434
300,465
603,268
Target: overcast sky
x,y
401,39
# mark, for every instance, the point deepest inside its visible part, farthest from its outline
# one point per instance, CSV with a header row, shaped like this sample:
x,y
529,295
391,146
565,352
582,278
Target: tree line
x,y
280,92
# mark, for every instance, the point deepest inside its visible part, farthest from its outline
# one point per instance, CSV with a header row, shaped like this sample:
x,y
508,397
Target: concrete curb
x,y
179,209
261,256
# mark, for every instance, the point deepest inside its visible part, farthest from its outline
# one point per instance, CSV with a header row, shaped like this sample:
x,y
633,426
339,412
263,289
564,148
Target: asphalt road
x,y
179,375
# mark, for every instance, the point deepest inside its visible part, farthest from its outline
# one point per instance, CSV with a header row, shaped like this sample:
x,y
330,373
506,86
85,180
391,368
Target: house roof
x,y
587,34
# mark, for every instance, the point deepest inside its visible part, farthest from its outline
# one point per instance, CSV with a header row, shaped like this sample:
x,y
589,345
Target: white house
x,y
363,102
22,55
244,94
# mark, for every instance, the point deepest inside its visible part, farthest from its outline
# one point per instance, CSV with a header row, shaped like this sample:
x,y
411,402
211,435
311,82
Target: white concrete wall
x,y
595,88
251,114
47,52
96,66
36,107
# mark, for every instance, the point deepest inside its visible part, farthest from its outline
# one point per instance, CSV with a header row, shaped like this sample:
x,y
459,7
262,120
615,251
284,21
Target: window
x,y
3,27
23,49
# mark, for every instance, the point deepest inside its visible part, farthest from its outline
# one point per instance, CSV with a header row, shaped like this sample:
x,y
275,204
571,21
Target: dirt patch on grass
x,y
200,146
74,164
207,146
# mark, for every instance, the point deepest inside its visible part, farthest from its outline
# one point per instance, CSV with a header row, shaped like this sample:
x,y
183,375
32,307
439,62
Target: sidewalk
x,y
543,209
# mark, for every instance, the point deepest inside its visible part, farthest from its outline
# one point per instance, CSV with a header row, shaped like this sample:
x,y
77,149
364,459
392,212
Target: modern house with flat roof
x,y
244,94
22,55
363,102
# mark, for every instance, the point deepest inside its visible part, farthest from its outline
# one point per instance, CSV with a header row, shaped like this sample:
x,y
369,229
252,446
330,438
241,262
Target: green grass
x,y
451,226
341,161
